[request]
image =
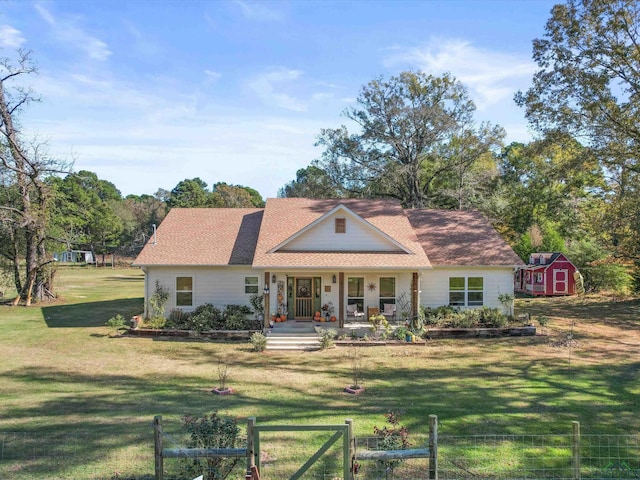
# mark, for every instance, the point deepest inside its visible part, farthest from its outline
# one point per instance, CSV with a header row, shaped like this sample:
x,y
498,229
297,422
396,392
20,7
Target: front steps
x,y
299,337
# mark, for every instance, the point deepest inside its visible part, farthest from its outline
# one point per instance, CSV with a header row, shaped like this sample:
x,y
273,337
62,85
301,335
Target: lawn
x,y
92,396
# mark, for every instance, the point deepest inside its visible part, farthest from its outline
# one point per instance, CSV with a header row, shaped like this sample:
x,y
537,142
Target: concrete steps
x,y
293,338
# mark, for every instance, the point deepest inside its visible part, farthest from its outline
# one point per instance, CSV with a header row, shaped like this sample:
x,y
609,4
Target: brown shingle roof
x,y
459,237
204,236
245,236
285,217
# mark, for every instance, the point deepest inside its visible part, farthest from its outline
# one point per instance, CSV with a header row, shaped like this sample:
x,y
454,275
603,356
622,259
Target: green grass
x,y
67,379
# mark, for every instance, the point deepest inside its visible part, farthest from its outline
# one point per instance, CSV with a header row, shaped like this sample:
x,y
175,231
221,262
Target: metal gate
x,y
341,432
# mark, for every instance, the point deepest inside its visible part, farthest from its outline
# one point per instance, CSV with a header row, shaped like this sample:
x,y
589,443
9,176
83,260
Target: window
x,y
355,292
387,291
250,284
184,291
475,293
341,225
539,277
466,291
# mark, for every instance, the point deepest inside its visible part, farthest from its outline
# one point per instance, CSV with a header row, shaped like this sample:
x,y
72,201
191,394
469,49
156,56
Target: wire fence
x,y
26,456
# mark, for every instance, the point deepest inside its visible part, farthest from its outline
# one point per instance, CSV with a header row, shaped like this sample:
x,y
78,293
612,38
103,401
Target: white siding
x,y
434,284
219,286
359,236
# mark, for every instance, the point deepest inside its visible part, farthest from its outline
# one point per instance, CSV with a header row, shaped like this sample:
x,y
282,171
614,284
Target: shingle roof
x,y
204,236
245,236
461,237
284,217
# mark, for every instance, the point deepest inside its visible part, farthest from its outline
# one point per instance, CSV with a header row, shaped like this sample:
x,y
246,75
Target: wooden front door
x,y
306,289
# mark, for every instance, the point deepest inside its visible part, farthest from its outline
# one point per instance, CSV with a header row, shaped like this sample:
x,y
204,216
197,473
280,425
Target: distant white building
x,y
75,256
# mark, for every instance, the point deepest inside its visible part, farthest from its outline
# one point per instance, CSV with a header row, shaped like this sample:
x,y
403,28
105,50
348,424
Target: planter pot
x,y
222,391
354,390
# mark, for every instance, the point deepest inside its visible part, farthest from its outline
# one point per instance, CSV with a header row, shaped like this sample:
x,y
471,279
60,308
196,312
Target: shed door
x,y
560,281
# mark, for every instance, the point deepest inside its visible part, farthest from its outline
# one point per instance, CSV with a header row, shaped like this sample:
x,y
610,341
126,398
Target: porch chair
x,y
389,311
353,313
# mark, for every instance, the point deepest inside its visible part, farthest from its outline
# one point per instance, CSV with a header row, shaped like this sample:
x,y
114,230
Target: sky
x,y
148,93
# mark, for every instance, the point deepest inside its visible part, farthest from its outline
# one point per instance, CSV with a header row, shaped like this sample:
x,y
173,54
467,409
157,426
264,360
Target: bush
x,y
156,322
392,437
493,317
205,317
212,431
400,333
258,342
327,336
178,319
234,317
117,323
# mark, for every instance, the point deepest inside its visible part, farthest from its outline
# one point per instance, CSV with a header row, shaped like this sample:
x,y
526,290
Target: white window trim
x,y
257,284
466,291
395,290
193,289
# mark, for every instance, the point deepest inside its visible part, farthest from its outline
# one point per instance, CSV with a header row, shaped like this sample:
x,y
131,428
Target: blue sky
x,y
148,93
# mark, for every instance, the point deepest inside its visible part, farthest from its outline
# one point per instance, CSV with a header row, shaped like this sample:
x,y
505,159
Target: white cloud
x,y
10,37
212,76
68,32
258,11
491,76
270,87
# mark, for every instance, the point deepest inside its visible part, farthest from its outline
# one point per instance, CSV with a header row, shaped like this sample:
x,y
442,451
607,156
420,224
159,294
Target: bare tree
x,y
25,197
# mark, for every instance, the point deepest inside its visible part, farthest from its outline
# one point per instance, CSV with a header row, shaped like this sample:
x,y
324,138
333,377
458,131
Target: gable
x,y
340,230
301,233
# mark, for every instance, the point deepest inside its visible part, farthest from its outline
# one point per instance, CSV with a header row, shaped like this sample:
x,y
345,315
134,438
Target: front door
x,y
306,297
560,281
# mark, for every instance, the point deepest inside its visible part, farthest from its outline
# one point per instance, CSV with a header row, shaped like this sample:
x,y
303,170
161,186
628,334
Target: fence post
x,y
251,461
350,453
576,450
433,447
157,438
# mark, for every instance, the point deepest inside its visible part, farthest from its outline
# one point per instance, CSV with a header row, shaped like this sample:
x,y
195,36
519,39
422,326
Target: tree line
x,y
413,137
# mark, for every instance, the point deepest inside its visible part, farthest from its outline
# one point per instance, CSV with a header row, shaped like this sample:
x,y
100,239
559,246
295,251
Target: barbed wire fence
x,y
25,455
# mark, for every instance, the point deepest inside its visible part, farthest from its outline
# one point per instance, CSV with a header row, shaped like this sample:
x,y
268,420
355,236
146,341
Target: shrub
x,y
156,322
117,323
493,317
327,336
379,325
212,431
392,437
178,319
157,302
205,317
258,342
400,333
234,317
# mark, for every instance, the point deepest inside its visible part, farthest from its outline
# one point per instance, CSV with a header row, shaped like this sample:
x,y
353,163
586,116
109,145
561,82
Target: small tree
x,y
211,431
223,372
356,367
391,437
157,302
257,303
379,325
506,299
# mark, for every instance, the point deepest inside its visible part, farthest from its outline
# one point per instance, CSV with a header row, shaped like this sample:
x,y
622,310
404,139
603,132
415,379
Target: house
x,y
353,255
547,274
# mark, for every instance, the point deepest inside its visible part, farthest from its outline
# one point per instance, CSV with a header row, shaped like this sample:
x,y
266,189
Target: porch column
x,y
341,299
267,296
414,294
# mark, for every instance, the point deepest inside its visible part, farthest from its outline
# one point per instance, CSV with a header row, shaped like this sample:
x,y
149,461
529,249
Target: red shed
x,y
547,274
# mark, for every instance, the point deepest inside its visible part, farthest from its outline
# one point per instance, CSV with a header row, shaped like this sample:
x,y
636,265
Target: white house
x,y
354,255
